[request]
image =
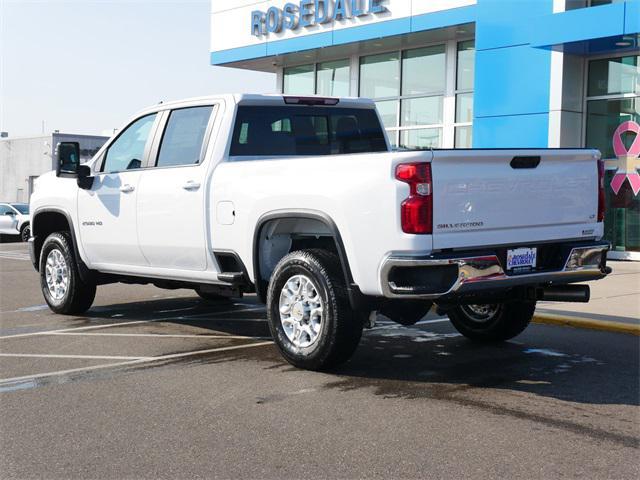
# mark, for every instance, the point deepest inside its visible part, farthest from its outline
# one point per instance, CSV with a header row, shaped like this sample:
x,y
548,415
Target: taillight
x,y
416,211
601,203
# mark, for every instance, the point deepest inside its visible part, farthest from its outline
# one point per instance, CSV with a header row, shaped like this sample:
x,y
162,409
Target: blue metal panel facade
x,y
514,44
512,79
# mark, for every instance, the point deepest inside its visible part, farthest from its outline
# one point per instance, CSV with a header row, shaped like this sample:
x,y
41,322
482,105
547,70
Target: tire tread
x,y
513,320
82,294
347,327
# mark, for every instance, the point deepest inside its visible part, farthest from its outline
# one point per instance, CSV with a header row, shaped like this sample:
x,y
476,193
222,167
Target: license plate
x,y
521,258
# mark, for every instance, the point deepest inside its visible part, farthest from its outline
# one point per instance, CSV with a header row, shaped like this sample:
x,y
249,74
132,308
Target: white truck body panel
x,y
107,216
352,195
479,199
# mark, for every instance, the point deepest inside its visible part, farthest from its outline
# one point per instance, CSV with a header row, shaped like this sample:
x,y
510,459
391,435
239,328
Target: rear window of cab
x,y
305,130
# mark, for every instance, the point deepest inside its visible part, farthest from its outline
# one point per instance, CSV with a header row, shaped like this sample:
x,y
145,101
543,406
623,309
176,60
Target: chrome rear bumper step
x,y
458,275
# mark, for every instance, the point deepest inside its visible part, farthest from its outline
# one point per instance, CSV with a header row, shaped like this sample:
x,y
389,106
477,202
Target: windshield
x,y
23,208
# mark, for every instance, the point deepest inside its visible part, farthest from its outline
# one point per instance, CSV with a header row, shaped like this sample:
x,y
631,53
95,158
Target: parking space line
x,y
198,315
130,362
14,256
437,320
109,325
393,325
85,357
89,327
168,335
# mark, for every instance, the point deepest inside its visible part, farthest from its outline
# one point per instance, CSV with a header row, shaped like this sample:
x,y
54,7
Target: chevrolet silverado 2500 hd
x,y
301,200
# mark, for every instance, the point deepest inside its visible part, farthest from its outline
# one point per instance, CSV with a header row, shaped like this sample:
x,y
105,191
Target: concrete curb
x,y
580,322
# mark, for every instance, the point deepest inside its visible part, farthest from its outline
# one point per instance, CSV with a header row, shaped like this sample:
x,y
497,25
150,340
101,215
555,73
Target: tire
x,y
336,329
25,232
497,323
73,297
212,297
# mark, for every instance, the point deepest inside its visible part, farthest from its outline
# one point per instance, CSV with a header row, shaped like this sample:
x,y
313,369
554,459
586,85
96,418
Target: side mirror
x,y
11,214
85,180
68,164
67,159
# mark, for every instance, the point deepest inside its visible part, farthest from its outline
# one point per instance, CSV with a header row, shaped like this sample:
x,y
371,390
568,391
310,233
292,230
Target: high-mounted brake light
x,y
601,198
310,100
416,211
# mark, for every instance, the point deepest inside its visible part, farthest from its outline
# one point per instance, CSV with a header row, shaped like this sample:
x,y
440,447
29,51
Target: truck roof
x,y
255,99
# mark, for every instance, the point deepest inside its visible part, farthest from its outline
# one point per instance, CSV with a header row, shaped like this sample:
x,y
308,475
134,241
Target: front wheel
x,y
308,311
63,289
492,322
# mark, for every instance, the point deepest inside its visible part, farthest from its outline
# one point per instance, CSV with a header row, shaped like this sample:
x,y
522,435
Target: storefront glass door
x,y
613,111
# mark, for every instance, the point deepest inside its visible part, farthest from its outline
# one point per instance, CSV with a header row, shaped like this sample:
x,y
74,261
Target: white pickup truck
x,y
302,201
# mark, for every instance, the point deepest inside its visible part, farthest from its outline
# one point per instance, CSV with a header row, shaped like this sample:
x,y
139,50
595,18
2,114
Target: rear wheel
x,y
492,322
25,232
63,289
308,311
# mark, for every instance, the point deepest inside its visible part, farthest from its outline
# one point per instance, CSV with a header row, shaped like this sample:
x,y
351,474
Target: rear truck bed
x,y
504,219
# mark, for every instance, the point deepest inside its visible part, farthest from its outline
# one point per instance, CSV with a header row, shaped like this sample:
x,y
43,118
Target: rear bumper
x,y
445,276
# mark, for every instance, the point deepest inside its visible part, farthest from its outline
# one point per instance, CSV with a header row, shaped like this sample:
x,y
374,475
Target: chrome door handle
x,y
126,188
191,185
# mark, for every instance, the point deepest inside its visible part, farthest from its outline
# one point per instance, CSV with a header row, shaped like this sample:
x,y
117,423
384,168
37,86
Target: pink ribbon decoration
x,y
628,161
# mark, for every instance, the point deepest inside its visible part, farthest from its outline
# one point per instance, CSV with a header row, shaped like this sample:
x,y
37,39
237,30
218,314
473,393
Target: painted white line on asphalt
x,y
177,309
393,325
437,320
15,256
109,325
198,315
34,308
86,357
156,335
130,362
90,327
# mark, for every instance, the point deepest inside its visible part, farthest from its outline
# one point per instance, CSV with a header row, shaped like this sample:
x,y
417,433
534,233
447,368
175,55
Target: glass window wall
x,y
299,80
380,75
332,78
411,88
613,89
327,78
465,71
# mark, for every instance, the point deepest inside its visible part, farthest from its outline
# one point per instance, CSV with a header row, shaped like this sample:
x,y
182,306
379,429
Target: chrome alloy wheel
x,y
56,274
481,313
301,311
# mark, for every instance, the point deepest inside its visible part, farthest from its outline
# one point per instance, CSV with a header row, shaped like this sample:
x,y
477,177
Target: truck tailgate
x,y
502,197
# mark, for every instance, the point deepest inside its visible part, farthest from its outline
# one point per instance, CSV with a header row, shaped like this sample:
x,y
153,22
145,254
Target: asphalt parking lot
x,y
158,384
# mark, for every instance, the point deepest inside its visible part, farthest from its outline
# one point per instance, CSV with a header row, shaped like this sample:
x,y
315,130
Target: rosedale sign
x,y
311,12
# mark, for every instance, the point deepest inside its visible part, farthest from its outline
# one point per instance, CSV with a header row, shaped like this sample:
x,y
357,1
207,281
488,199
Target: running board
x,y
233,278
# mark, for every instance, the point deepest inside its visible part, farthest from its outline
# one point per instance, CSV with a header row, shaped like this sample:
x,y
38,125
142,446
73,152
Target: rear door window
x,y
182,141
304,130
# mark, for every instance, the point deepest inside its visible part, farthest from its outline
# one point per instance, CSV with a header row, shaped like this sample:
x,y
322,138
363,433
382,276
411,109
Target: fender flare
x,y
306,214
83,270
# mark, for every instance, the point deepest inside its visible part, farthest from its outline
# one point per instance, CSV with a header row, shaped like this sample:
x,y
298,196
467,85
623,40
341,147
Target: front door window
x,y
127,151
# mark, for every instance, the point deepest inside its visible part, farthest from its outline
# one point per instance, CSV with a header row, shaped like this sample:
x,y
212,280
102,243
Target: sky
x,y
86,66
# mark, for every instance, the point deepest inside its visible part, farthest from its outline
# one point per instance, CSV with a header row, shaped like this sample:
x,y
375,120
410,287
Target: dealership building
x,y
464,73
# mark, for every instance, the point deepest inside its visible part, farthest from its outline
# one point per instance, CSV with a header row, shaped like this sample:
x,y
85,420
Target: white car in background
x,y
15,220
